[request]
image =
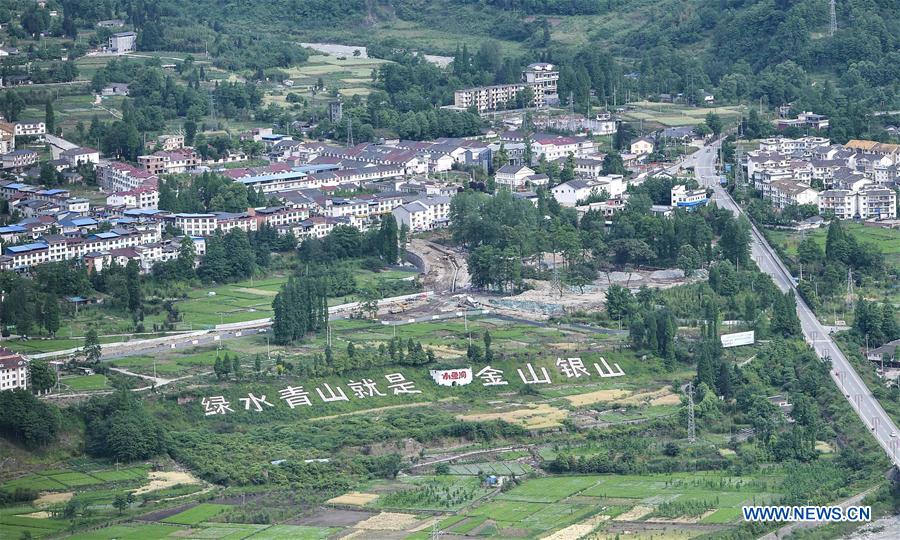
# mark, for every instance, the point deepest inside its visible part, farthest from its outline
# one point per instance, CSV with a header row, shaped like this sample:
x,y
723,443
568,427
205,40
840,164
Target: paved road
x,y
843,374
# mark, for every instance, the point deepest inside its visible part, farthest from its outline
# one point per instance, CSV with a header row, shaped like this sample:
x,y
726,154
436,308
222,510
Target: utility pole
x,y
692,426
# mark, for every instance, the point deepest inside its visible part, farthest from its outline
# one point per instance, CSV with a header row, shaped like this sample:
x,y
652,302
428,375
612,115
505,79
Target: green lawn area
x,y
197,514
546,490
82,383
669,114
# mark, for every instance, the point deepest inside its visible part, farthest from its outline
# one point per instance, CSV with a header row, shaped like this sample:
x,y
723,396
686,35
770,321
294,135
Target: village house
x,y
513,177
13,370
642,146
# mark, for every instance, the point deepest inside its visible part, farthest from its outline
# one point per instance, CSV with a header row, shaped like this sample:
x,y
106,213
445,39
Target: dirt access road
x,y
445,269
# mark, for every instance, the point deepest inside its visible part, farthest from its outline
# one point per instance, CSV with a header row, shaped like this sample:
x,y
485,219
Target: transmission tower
x,y
833,28
692,426
349,131
556,286
849,286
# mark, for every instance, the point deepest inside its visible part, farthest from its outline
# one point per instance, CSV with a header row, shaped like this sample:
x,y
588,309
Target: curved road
x,y
851,385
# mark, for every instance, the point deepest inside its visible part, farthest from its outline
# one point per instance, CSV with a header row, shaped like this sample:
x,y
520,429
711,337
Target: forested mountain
x,y
744,49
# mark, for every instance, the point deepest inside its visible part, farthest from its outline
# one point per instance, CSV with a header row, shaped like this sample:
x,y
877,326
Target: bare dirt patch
x,y
683,519
663,396
43,514
442,351
533,417
49,499
166,479
354,498
580,400
388,521
332,517
578,530
257,292
634,514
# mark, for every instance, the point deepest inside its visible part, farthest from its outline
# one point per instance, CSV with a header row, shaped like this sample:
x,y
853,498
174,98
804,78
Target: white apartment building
x,y
135,198
176,161
553,147
122,42
784,193
30,129
870,202
13,370
117,176
196,224
783,145
541,77
60,248
424,214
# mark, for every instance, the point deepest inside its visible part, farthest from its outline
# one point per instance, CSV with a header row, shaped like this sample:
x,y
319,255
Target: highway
x,y
842,372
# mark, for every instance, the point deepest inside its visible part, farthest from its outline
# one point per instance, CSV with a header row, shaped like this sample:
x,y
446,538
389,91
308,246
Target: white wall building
x,y
424,214
13,370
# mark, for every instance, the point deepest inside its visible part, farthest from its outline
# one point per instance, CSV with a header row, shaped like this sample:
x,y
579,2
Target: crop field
x,y
491,467
351,76
669,114
197,514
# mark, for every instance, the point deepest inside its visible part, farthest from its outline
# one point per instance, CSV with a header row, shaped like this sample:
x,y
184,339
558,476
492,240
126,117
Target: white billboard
x,y
452,377
738,339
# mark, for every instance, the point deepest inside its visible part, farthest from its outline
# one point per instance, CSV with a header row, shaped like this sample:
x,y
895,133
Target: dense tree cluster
x,y
347,242
120,428
28,420
207,192
300,307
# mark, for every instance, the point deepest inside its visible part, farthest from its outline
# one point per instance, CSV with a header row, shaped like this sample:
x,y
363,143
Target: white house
x,y
642,146
513,176
569,193
122,42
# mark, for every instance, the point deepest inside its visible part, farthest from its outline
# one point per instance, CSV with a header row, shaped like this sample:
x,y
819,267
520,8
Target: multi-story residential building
x,y
782,145
868,202
77,157
7,137
541,78
840,202
176,161
60,248
195,224
784,193
122,42
424,213
116,176
33,129
142,197
19,159
13,370
876,202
